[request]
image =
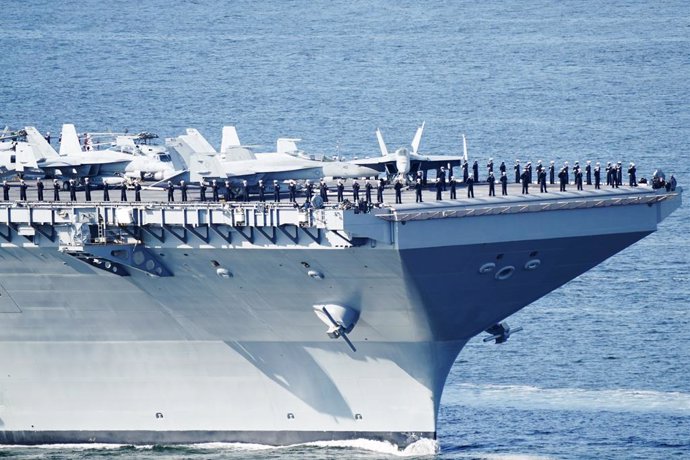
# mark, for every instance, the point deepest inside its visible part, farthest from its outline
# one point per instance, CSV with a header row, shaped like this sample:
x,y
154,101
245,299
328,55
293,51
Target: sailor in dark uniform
x,y
87,189
137,190
292,191
632,175
439,189
619,174
183,191
398,191
245,191
465,170
489,167
597,177
542,181
552,173
340,189
123,192
576,168
492,184
418,191
39,188
309,190
615,172
227,194
524,177
72,190
528,168
379,191
470,187
588,173
566,168
214,190
5,191
262,191
171,191
47,137
475,171
355,190
504,183
563,178
202,190
323,191
367,191
56,190
442,176
578,179
539,168
502,167
608,173
453,188
22,190
106,194
276,191
516,168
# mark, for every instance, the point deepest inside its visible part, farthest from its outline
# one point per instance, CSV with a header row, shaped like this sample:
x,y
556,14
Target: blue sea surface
x,y
601,367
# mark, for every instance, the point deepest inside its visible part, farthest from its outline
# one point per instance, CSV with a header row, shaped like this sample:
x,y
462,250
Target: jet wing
x,y
381,164
426,162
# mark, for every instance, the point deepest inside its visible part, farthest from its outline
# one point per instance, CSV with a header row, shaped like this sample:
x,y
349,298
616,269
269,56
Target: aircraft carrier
x,y
155,322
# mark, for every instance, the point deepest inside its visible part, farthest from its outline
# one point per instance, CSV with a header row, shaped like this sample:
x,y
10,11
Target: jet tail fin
x,y
230,139
382,144
197,142
417,138
230,147
287,145
41,148
190,144
69,145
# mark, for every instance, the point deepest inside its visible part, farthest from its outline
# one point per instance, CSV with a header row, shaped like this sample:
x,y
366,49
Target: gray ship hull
x,y
88,355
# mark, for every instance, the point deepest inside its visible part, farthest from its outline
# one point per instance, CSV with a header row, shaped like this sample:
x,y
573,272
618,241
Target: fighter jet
x,y
72,162
16,155
403,162
235,161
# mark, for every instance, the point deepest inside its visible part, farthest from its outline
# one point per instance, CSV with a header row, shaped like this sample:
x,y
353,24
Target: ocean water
x,y
601,368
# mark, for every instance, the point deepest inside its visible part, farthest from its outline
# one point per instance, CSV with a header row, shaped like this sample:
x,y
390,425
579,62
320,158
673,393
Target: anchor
x,y
340,321
500,332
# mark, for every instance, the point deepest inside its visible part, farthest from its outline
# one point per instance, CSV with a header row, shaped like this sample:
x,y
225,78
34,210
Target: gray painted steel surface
x,y
222,343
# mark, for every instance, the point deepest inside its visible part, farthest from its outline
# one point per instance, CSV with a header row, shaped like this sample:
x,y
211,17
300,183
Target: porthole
x,y
487,268
532,264
505,273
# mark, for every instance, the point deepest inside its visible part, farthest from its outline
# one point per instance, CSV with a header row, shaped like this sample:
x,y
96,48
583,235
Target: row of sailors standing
x,y
71,188
262,192
613,178
614,175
